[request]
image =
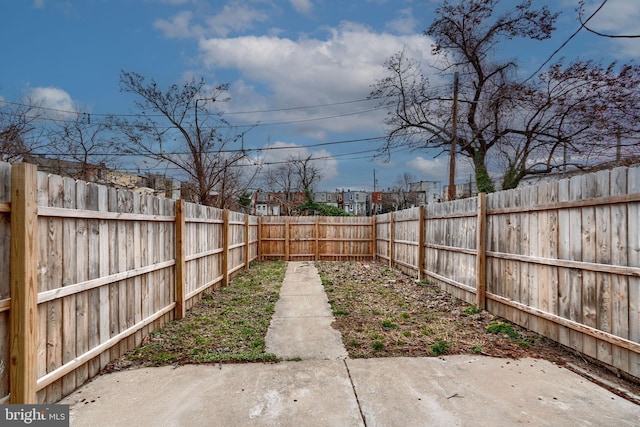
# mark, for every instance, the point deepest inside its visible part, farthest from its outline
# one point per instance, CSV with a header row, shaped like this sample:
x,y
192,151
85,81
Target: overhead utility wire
x,y
302,107
246,150
565,43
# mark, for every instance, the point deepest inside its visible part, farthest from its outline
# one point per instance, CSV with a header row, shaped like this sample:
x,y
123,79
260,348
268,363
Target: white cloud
x,y
436,169
302,6
56,101
179,26
405,23
311,71
235,17
38,4
617,17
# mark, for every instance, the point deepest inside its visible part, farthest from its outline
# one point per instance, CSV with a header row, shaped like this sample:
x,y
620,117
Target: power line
x,y
236,151
300,107
565,42
598,33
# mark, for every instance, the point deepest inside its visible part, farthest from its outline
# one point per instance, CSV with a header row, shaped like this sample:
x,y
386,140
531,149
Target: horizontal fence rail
x,y
92,270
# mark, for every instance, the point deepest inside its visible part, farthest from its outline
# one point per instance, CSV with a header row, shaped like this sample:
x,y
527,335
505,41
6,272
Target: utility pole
x,y
454,139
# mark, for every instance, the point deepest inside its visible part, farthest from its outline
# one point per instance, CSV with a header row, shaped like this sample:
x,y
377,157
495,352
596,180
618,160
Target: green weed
x,y
440,347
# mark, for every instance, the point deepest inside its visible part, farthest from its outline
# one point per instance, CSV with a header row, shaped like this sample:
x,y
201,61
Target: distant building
x,y
157,185
377,202
356,202
426,192
463,191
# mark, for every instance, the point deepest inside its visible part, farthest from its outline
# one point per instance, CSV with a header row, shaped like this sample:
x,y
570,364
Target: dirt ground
x,y
382,313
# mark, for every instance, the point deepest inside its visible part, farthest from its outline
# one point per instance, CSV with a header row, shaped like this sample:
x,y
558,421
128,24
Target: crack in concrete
x,y
355,393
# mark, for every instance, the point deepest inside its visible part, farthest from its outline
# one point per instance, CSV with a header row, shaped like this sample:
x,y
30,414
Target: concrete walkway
x,y
325,389
301,325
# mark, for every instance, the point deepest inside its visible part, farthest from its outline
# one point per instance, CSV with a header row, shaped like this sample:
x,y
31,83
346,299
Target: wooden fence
x,y
561,259
88,271
316,238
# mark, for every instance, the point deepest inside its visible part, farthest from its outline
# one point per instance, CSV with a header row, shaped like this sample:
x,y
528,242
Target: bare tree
x,y
282,179
296,175
18,123
575,116
569,116
465,34
174,126
308,172
405,198
90,146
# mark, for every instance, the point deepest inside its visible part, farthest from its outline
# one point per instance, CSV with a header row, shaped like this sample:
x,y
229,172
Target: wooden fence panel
x,y
253,237
203,243
345,238
302,242
383,236
450,246
405,240
237,242
272,236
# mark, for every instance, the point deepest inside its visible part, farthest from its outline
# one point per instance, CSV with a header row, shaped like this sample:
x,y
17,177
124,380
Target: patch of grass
x,y
476,349
405,315
471,310
388,324
526,342
340,312
377,345
227,325
407,334
502,328
440,347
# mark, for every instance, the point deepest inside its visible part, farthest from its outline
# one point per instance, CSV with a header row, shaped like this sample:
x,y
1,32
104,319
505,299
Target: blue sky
x,y
302,69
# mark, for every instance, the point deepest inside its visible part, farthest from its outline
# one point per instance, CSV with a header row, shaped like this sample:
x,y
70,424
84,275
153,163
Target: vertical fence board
x,y
619,284
481,257
564,275
603,256
575,254
589,278
69,276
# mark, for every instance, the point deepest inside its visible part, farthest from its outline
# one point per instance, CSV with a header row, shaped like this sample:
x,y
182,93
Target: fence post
x,y
286,239
23,375
225,247
421,242
391,236
260,257
317,233
374,242
481,257
246,241
181,310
